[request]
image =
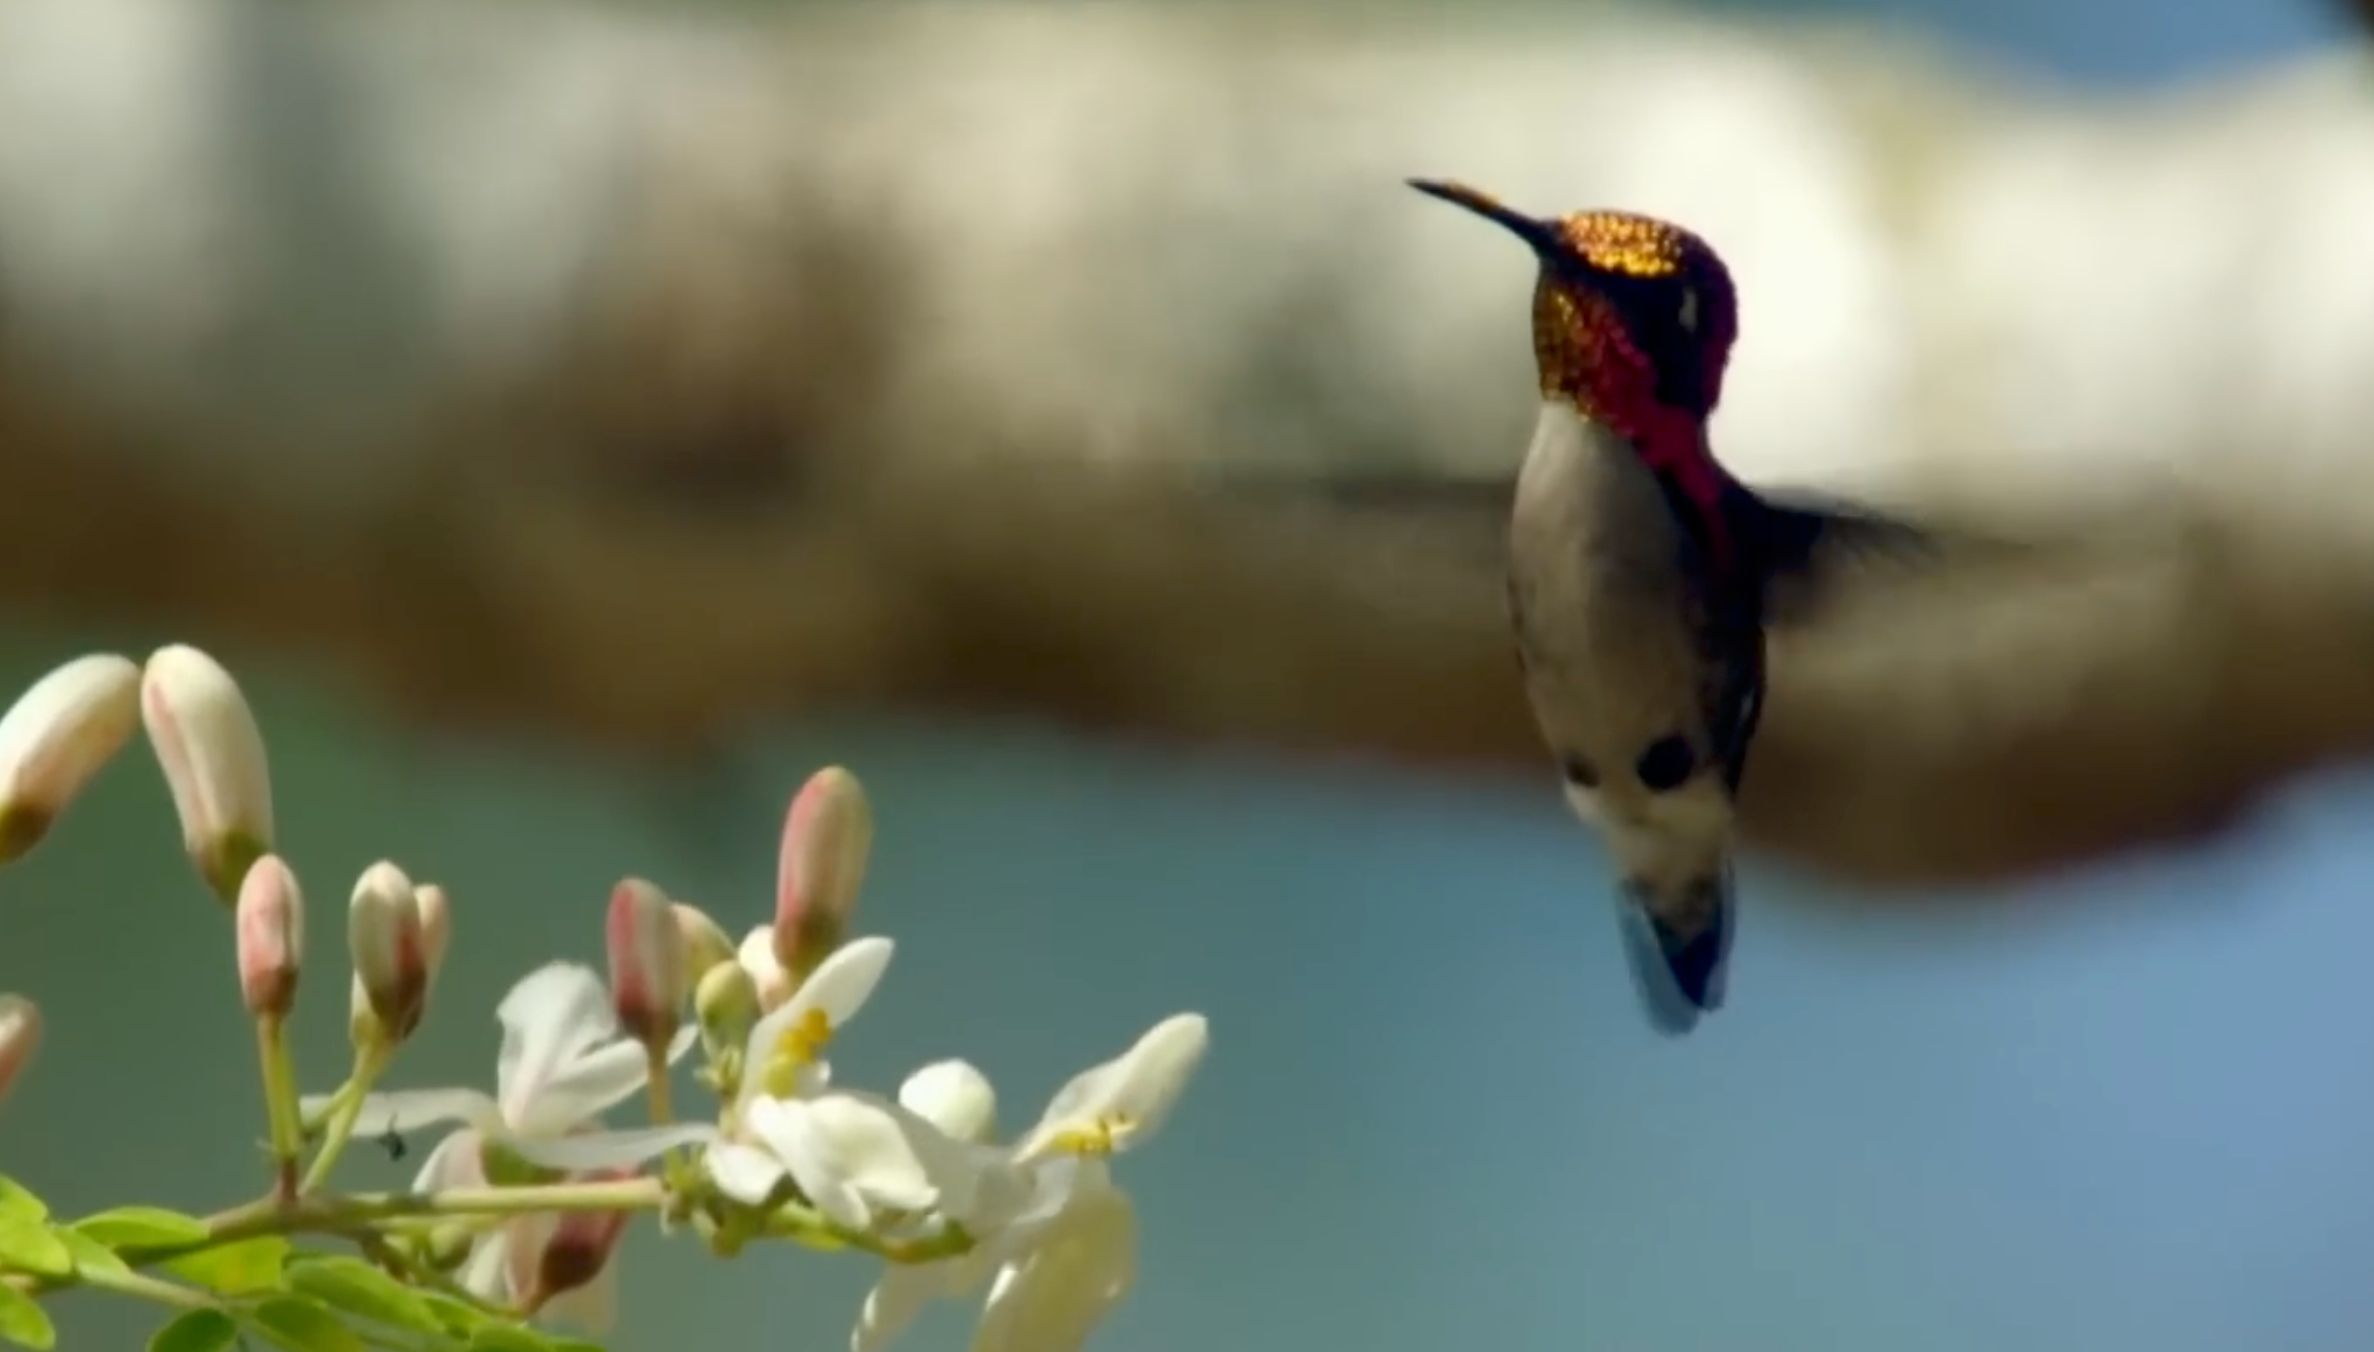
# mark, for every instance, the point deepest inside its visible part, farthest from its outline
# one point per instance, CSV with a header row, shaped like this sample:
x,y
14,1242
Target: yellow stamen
x,y
1097,1139
805,1039
796,1048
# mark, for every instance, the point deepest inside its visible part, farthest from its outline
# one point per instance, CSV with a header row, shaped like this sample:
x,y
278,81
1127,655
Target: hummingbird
x,y
1642,575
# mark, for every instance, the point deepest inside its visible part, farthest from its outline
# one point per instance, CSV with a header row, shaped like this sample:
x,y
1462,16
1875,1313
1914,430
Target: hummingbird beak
x,y
1542,235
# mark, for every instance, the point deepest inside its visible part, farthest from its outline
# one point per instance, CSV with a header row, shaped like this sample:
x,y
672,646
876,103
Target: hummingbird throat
x,y
1586,357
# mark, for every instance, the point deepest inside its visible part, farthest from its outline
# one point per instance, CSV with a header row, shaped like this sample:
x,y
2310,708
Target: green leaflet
x,y
196,1331
17,1202
239,1269
91,1256
357,1288
142,1227
31,1246
24,1323
303,1326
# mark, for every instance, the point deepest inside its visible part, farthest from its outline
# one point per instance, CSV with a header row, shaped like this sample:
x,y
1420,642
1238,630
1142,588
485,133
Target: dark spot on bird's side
x,y
1667,764
1579,772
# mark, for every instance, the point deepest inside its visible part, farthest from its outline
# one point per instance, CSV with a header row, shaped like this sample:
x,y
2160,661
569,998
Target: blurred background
x,y
575,424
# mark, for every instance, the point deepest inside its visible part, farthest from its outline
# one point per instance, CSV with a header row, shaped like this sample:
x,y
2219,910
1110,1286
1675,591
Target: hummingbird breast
x,y
1615,618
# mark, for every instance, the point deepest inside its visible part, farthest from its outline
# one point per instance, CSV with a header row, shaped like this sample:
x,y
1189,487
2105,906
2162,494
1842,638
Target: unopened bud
x,y
726,1003
757,957
436,926
391,960
271,929
705,944
20,1037
953,1096
827,836
647,983
56,736
206,739
578,1248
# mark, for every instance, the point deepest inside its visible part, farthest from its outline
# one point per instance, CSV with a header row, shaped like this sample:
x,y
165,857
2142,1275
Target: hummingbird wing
x,y
1812,548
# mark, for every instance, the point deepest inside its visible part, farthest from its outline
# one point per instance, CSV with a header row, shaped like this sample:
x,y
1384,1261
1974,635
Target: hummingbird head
x,y
1633,317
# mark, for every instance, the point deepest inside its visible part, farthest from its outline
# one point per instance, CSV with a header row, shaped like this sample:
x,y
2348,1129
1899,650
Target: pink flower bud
x,y
56,736
827,836
271,927
20,1037
705,944
206,738
646,961
391,955
578,1248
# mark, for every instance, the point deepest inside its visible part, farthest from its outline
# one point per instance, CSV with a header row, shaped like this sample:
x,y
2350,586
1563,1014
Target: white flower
x,y
1111,1107
1062,1258
782,1059
866,1163
563,1063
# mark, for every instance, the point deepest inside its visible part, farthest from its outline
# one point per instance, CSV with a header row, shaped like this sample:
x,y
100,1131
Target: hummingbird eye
x,y
1666,764
1689,309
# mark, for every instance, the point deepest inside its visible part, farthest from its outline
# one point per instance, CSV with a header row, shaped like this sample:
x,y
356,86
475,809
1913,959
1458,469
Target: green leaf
x,y
239,1269
142,1227
356,1287
196,1331
457,1316
24,1323
508,1338
304,1326
29,1246
15,1201
90,1255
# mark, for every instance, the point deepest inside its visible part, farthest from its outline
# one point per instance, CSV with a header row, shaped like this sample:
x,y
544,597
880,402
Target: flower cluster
x,y
518,1209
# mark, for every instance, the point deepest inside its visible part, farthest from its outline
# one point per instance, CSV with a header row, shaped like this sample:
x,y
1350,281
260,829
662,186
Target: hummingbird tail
x,y
1680,972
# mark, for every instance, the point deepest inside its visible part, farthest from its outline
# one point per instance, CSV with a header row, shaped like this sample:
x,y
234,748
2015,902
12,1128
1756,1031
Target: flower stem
x,y
314,1213
369,1059
280,1104
662,1113
806,1225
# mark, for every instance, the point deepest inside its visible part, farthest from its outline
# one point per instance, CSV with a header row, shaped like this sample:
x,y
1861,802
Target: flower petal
x,y
403,1110
593,1083
607,1149
743,1172
453,1163
554,1015
901,1294
953,1096
1053,1297
757,957
486,1273
1126,1099
581,1089
836,990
